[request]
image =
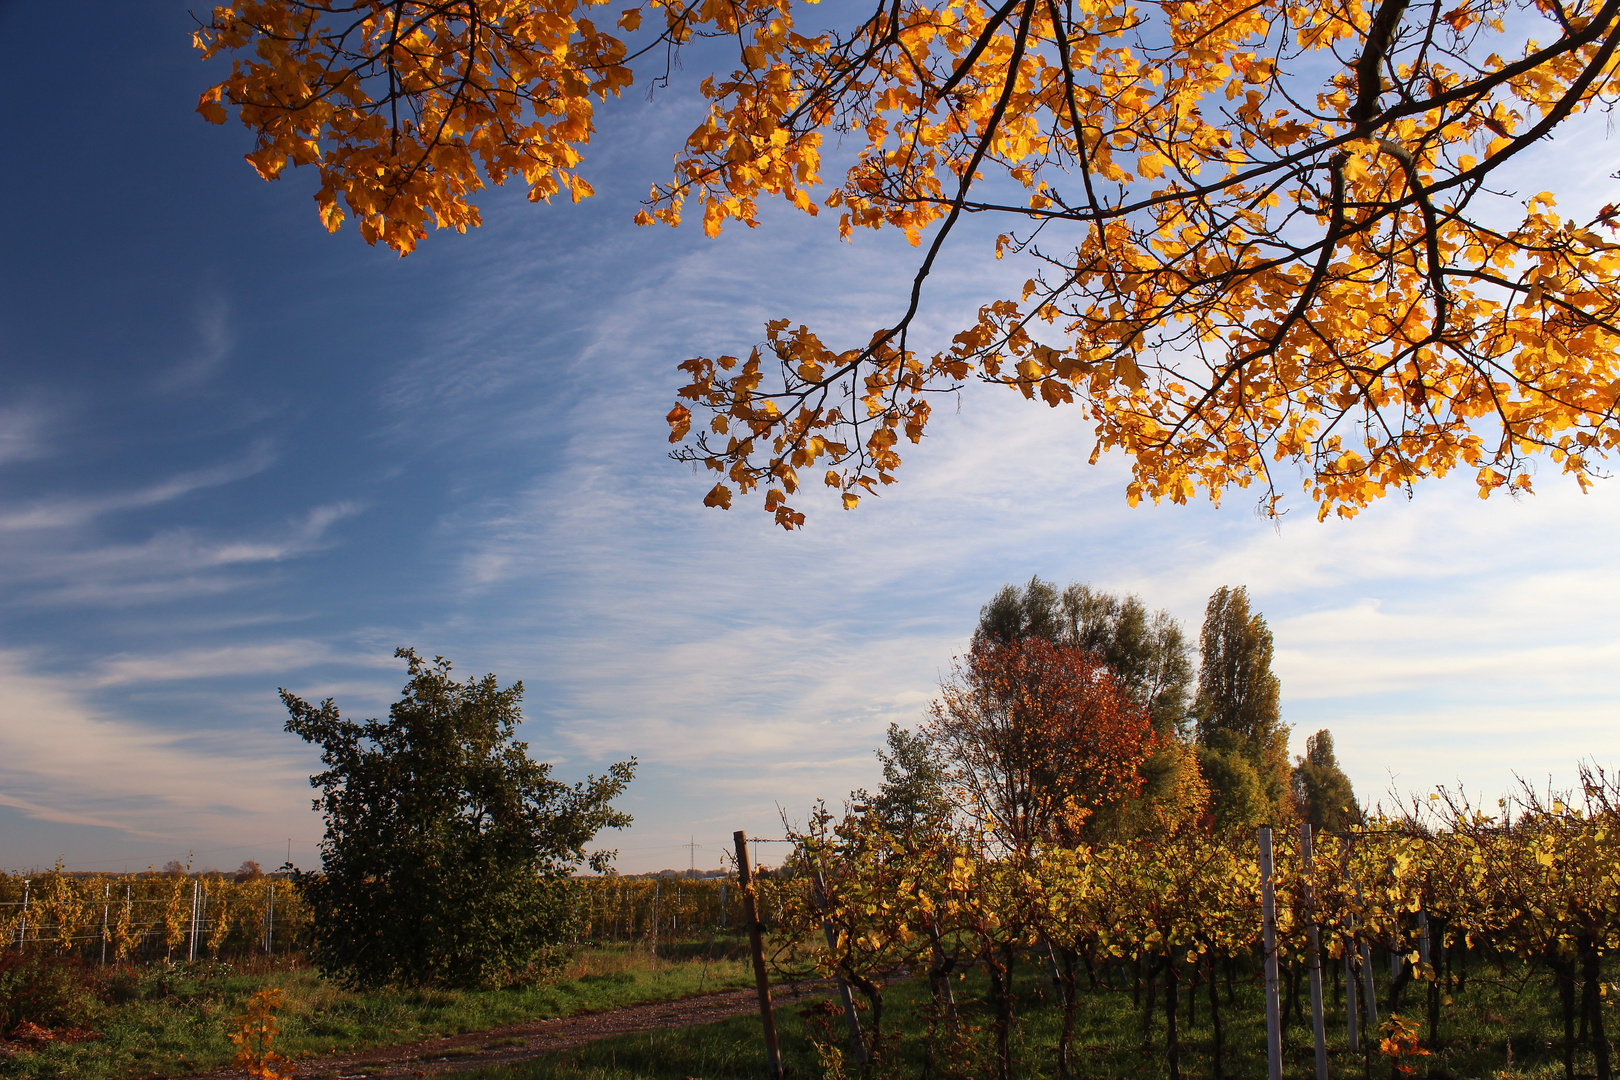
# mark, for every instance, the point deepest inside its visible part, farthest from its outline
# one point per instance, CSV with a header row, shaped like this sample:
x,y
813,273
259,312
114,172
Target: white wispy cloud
x,y
170,565
276,657
71,763
70,511
24,432
211,346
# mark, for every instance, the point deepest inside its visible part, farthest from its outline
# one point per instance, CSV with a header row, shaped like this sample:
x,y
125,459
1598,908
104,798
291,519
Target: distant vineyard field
x,y
119,917
153,916
632,909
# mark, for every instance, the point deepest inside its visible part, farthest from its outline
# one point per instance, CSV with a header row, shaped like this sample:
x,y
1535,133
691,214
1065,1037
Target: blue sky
x,y
237,454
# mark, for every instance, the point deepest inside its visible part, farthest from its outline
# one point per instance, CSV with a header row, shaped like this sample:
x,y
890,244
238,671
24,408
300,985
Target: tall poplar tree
x,y
1243,743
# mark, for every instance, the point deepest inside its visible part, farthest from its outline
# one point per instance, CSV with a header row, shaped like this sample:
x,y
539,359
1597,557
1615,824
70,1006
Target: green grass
x,y
163,1021
1475,1032
172,1022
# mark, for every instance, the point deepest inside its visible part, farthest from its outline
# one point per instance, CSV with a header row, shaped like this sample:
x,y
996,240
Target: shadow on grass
x,y
1111,1039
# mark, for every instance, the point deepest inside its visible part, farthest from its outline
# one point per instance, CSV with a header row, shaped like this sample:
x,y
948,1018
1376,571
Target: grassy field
x,y
1492,1012
169,1021
166,1021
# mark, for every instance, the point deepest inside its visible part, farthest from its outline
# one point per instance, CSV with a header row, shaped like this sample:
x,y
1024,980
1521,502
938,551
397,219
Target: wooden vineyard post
x,y
1314,960
106,903
756,945
1268,930
22,926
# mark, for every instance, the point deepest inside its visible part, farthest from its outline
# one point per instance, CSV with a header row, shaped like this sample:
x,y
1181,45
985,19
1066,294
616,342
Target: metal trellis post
x,y
1368,980
191,942
851,1020
1268,928
1314,960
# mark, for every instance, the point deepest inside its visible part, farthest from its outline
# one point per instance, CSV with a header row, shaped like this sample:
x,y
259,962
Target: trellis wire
x,y
74,915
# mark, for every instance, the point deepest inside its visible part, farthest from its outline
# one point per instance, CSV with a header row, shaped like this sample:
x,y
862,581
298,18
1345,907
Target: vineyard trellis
x,y
1174,907
127,917
119,917
1148,914
616,908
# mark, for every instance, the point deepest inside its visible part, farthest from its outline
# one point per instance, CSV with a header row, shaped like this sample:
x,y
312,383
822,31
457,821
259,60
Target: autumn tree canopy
x,y
1040,737
1264,237
1146,651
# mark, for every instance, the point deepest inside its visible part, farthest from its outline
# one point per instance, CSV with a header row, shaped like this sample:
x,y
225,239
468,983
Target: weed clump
x,y
44,991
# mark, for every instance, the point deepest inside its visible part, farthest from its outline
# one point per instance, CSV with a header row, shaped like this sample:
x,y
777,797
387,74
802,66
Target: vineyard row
x,y
117,918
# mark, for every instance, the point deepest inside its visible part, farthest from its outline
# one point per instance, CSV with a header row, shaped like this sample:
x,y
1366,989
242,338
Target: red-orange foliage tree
x,y
1042,737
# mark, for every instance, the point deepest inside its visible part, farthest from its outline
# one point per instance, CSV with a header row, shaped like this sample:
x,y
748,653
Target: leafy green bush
x,y
449,852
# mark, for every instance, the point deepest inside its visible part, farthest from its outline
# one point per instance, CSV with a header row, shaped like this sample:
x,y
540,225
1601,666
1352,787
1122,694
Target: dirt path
x,y
523,1042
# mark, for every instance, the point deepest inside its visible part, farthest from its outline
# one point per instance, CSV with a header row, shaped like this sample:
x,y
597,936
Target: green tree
x,y
914,792
1019,612
448,851
1322,792
1238,799
1146,651
1237,714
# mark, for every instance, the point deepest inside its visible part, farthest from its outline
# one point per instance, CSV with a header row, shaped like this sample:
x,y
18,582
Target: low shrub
x,y
43,990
